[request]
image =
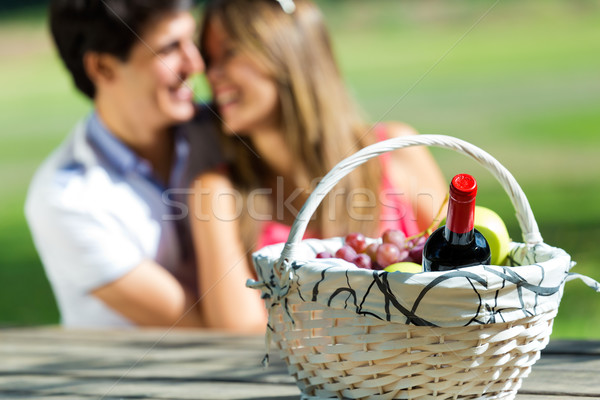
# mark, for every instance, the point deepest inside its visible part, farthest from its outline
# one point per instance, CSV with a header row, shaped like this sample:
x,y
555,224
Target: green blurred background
x,y
521,79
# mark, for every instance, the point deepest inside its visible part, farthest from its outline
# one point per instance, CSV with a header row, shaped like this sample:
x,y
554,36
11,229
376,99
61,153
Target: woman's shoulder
x,y
217,179
398,129
214,197
406,156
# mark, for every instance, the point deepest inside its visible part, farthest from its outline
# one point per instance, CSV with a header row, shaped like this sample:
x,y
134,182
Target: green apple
x,y
404,267
493,229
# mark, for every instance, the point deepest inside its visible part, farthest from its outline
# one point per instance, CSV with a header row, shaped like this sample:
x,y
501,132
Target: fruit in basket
x,y
324,254
405,266
357,241
346,253
415,250
362,261
388,253
395,237
494,230
371,251
394,248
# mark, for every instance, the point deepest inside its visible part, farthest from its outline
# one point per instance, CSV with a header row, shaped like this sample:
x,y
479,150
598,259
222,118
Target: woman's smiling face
x,y
246,96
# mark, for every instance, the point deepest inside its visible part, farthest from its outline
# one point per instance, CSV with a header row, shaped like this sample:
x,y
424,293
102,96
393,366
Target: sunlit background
x,y
520,79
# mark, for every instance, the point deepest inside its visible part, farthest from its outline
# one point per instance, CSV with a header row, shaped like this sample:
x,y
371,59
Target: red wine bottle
x,y
457,244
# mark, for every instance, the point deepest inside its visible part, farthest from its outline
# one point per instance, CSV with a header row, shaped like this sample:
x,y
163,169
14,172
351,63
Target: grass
x,y
518,79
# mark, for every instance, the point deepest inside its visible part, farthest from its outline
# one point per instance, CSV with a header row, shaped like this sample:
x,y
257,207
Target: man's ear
x,y
100,67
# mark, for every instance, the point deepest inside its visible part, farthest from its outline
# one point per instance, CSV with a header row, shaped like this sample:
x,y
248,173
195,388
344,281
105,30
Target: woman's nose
x,y
214,71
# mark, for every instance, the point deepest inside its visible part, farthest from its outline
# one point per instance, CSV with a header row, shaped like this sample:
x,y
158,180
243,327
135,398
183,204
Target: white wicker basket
x,y
389,337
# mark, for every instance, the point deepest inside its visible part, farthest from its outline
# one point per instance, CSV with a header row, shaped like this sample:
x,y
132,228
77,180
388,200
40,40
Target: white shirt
x,y
95,213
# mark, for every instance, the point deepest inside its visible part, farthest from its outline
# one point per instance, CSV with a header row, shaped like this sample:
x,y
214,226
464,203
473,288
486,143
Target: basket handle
x,y
529,227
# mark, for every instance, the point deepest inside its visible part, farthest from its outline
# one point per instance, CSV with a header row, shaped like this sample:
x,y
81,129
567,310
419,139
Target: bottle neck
x,y
460,221
458,239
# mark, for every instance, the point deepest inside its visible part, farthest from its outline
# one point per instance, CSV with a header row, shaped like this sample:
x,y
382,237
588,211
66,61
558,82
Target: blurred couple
x,y
133,215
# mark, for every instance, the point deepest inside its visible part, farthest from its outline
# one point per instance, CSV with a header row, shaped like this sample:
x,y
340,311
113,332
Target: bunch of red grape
x,y
394,247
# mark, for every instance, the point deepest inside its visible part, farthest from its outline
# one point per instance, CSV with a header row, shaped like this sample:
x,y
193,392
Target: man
x,y
97,207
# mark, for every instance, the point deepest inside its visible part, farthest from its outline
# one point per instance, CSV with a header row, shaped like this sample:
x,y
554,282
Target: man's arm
x,y
150,296
86,250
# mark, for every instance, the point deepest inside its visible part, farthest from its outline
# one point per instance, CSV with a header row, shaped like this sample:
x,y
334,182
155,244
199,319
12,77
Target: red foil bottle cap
x,y
463,187
461,208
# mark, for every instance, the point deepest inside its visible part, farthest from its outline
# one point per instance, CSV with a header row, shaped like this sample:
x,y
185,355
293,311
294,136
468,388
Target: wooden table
x,y
51,363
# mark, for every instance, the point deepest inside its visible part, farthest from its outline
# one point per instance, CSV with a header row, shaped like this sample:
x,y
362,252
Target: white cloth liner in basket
x,y
293,280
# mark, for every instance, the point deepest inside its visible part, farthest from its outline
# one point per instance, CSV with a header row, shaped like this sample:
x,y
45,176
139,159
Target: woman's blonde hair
x,y
321,123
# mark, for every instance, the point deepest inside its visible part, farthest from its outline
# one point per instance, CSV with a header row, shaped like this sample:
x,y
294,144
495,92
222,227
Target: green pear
x,y
493,229
404,267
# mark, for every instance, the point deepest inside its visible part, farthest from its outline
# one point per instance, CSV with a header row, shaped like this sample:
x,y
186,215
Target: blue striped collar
x,y
118,155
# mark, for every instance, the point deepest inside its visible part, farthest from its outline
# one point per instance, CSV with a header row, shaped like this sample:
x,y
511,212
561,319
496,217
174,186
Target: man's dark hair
x,y
104,26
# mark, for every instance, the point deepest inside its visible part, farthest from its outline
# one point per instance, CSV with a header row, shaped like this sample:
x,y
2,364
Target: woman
x,y
288,120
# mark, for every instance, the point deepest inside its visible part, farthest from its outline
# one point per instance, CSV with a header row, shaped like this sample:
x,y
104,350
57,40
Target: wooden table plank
x,y
573,347
548,397
213,358
556,382
99,388
54,363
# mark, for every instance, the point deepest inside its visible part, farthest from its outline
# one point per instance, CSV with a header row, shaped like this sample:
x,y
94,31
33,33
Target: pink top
x,y
396,212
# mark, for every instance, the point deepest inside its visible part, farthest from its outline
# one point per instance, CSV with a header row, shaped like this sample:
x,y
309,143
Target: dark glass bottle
x,y
457,244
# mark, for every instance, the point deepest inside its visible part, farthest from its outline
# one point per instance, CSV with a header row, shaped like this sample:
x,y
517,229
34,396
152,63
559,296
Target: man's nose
x,y
193,62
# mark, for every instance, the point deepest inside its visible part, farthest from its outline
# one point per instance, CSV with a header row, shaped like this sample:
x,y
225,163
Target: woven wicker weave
x,y
336,353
